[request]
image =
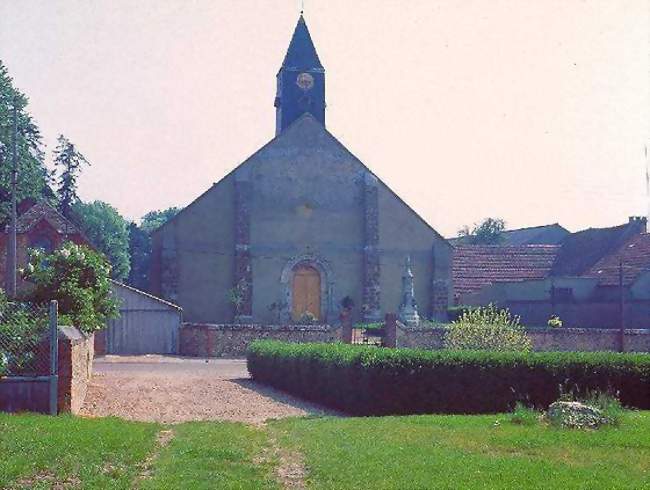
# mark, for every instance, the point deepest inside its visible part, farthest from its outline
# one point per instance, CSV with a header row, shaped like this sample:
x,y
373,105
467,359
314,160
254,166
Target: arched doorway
x,y
306,292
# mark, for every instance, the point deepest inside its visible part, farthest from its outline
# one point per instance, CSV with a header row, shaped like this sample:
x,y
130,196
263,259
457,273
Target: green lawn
x,y
435,452
468,452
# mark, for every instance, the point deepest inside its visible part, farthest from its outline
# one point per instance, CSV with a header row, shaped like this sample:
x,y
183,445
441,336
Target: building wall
x,y
192,256
205,340
304,196
543,339
402,233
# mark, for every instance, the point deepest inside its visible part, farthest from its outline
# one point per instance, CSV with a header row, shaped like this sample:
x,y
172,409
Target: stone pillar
x,y
243,280
408,310
390,330
346,327
439,293
371,265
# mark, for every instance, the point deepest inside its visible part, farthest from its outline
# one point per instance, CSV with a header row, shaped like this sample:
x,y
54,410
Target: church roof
x,y
301,52
306,120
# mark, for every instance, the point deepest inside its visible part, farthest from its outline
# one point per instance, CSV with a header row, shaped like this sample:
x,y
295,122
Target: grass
x,y
427,451
214,455
469,452
38,451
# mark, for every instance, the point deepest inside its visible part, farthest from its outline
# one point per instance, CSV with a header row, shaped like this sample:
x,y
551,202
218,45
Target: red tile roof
x,y
475,266
635,255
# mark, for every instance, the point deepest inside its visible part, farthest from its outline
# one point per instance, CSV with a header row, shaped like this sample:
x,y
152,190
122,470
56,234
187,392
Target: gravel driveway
x,y
172,389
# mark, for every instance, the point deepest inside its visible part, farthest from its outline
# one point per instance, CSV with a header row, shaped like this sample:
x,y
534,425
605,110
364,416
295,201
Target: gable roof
x,y
582,250
532,235
43,211
301,52
541,235
635,257
476,266
306,118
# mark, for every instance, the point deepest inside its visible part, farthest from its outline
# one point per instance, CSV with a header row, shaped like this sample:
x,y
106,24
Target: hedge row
x,y
374,381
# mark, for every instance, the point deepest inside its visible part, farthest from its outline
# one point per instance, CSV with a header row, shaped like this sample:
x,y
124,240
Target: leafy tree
x,y
68,160
108,231
488,232
140,245
140,255
34,179
155,219
79,279
487,328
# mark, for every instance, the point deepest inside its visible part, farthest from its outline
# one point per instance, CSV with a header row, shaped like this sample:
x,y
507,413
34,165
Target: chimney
x,y
640,223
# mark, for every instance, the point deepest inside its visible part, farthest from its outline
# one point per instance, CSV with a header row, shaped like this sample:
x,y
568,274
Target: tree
x,y
68,160
140,255
34,179
488,232
108,231
78,278
155,219
140,245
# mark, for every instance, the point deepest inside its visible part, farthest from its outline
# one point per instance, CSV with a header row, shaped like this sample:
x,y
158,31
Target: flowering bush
x,y
554,322
487,328
79,279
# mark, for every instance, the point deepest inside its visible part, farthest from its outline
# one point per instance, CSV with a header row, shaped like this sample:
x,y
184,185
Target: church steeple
x,y
300,81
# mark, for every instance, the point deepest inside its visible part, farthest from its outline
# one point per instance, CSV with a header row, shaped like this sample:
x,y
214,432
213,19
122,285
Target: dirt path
x,y
179,390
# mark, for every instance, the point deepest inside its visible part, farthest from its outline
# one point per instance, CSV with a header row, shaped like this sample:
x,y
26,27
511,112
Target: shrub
x,y
371,381
554,322
79,279
523,415
487,328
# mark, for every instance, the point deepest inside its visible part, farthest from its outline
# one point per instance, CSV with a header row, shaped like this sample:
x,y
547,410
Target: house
x,y
578,279
38,225
300,227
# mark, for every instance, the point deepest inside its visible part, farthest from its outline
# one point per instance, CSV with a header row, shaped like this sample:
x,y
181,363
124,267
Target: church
x,y
300,230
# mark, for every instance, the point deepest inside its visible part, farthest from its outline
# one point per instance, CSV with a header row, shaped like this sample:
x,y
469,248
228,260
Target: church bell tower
x,y
300,81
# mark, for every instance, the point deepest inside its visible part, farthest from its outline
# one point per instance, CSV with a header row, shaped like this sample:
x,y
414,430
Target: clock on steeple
x,y
300,81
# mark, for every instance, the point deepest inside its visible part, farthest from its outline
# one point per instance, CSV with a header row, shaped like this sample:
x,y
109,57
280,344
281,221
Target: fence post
x,y
54,357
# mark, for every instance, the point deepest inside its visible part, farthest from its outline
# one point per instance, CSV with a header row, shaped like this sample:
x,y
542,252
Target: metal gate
x,y
28,357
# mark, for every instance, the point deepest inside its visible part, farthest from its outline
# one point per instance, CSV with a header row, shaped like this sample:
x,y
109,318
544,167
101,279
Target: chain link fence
x,y
25,339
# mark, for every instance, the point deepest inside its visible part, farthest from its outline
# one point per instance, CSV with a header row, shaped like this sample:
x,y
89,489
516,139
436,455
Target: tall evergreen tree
x,y
34,179
68,161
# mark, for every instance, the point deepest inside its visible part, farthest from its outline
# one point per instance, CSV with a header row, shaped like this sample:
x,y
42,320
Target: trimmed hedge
x,y
374,381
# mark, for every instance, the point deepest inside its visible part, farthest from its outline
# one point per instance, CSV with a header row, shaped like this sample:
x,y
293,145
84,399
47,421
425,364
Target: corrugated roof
x,y
475,266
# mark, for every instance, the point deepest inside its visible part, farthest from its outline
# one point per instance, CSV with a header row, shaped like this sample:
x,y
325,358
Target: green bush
x,y
79,279
371,381
487,328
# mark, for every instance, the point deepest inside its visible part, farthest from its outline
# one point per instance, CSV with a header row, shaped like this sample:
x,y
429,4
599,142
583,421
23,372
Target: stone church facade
x,y
300,226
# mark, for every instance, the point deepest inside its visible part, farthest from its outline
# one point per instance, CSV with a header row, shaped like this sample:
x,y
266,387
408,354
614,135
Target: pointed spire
x,y
301,53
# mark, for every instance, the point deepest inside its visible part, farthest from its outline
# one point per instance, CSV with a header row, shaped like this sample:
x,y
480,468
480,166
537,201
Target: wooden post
x,y
621,306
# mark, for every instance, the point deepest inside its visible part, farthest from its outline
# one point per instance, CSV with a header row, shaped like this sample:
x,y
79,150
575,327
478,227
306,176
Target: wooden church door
x,y
306,292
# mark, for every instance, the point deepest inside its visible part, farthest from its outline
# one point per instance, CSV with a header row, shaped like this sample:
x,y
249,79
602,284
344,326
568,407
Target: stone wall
x,y
544,339
208,340
76,353
75,369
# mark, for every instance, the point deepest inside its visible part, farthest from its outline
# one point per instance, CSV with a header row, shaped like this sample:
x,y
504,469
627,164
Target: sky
x,y
534,111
